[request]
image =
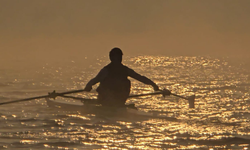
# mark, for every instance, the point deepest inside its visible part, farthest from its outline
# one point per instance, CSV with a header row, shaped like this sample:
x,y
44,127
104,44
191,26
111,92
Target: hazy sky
x,y
79,28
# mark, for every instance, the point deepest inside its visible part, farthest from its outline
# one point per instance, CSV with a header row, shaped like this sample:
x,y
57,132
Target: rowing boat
x,y
91,107
94,108
98,110
53,95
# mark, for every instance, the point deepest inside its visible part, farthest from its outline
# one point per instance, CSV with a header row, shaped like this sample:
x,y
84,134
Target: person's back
x,y
115,88
114,85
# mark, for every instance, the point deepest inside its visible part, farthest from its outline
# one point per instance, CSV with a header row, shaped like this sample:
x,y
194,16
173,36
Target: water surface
x,y
220,118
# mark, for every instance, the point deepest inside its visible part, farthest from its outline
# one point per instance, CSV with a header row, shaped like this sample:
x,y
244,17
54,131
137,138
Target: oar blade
x,y
191,100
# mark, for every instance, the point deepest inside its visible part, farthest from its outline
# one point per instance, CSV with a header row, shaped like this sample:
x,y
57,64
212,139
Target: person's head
x,y
115,55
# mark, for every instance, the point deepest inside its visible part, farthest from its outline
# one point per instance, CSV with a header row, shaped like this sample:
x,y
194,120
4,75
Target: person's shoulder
x,y
129,69
126,66
107,66
103,72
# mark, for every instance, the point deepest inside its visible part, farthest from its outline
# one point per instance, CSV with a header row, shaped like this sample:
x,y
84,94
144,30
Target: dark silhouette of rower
x,y
114,85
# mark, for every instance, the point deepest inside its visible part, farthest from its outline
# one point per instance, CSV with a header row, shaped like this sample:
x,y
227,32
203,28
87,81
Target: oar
x,y
164,93
26,99
50,95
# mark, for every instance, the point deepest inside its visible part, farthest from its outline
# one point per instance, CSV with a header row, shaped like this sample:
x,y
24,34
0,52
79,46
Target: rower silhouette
x,y
114,87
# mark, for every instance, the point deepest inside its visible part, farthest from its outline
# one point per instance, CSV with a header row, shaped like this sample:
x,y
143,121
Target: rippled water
x,y
220,118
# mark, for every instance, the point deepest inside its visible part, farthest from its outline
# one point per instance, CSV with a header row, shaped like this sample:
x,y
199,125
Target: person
x,y
114,87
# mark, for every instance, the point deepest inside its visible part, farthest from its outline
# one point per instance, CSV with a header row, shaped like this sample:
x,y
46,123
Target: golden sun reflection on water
x,y
220,119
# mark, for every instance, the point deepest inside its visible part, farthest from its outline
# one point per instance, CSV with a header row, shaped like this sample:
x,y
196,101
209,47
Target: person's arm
x,y
99,77
142,79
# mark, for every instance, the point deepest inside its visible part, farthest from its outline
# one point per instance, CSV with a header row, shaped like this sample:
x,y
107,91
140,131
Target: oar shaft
x,y
71,92
21,100
156,93
44,96
179,96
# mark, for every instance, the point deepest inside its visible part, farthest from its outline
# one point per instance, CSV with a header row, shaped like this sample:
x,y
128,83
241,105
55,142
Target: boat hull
x,y
120,113
96,109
